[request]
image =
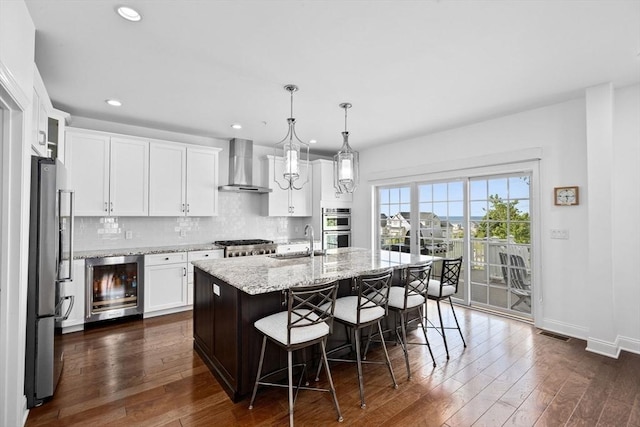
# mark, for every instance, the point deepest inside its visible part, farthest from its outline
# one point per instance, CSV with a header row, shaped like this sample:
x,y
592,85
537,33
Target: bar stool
x,y
406,299
443,289
307,321
366,308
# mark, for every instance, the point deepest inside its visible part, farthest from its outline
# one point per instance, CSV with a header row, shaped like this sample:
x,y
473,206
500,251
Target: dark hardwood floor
x,y
145,373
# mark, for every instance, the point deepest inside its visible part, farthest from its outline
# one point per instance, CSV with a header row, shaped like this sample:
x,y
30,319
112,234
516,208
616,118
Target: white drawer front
x,y
204,255
166,258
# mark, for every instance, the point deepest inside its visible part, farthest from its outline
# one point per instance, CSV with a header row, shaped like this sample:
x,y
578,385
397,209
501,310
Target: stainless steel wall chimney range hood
x,y
241,168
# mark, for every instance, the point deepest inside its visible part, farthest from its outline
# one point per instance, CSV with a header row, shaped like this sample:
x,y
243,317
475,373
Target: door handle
x,y
184,271
71,299
71,229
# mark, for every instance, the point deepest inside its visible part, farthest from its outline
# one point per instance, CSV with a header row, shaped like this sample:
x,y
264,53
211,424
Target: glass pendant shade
x,y
346,162
291,161
345,168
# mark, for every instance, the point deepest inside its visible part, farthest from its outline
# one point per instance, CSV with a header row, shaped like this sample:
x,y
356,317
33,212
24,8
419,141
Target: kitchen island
x,y
231,294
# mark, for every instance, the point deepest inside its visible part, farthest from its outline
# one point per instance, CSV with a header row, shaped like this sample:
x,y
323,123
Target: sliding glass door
x,y
500,251
487,220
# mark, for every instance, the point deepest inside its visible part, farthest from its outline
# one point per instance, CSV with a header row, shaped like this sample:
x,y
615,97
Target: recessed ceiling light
x,y
312,141
114,102
236,126
129,13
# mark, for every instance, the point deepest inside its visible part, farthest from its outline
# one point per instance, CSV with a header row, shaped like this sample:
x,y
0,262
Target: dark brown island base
x,y
231,294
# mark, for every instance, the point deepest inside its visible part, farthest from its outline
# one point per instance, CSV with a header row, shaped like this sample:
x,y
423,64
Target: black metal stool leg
x,y
255,387
331,386
290,375
424,331
457,324
444,337
386,355
404,344
356,332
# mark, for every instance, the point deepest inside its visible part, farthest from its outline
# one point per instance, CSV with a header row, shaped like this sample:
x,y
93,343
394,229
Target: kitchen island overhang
x,y
230,294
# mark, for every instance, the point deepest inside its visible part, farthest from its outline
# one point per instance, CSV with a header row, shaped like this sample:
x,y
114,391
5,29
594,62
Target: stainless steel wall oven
x,y
334,219
115,287
336,228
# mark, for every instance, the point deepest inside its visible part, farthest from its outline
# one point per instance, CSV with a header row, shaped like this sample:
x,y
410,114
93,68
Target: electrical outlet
x,y
183,233
128,234
562,234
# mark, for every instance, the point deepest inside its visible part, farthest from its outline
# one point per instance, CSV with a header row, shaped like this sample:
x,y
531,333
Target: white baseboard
x,y
25,411
629,344
74,328
604,348
168,311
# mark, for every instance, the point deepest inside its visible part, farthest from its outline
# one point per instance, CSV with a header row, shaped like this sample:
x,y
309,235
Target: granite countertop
x,y
145,251
261,274
101,253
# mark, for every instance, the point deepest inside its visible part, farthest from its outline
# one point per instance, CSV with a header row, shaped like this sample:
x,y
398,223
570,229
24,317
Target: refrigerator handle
x,y
59,306
71,193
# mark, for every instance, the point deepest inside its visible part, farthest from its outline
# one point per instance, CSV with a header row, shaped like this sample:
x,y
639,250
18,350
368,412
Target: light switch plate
x,y
562,234
128,234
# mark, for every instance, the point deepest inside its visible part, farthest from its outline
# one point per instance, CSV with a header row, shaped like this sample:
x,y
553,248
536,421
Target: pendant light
x,y
345,162
295,155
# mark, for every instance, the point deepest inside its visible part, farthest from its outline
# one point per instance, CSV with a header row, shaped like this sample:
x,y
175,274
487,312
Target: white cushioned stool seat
x,y
396,298
434,289
275,326
346,309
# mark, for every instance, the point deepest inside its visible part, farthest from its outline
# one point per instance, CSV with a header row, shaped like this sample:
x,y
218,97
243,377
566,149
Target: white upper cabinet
x,y
202,181
129,177
277,201
167,179
183,180
324,193
40,107
87,160
109,174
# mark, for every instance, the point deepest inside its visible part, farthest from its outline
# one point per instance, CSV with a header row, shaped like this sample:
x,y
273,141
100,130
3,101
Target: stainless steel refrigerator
x,y
50,263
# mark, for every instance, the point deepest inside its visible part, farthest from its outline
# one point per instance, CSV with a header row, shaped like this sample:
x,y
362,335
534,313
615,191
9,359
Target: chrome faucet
x,y
308,231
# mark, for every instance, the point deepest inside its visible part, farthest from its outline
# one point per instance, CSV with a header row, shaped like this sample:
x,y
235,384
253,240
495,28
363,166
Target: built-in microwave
x,y
334,219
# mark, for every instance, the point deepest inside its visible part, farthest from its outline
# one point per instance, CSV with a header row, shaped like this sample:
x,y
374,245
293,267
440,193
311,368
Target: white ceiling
x,y
408,67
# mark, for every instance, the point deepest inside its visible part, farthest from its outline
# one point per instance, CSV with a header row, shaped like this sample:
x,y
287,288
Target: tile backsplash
x,y
238,218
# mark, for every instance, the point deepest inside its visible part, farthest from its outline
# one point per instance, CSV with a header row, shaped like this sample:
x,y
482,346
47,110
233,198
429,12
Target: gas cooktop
x,y
245,242
234,248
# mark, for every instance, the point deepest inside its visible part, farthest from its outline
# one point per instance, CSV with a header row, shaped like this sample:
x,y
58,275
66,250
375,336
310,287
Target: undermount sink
x,y
293,255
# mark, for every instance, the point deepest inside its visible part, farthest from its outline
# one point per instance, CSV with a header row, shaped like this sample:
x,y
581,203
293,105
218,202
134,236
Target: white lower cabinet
x,y
199,256
165,283
75,288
